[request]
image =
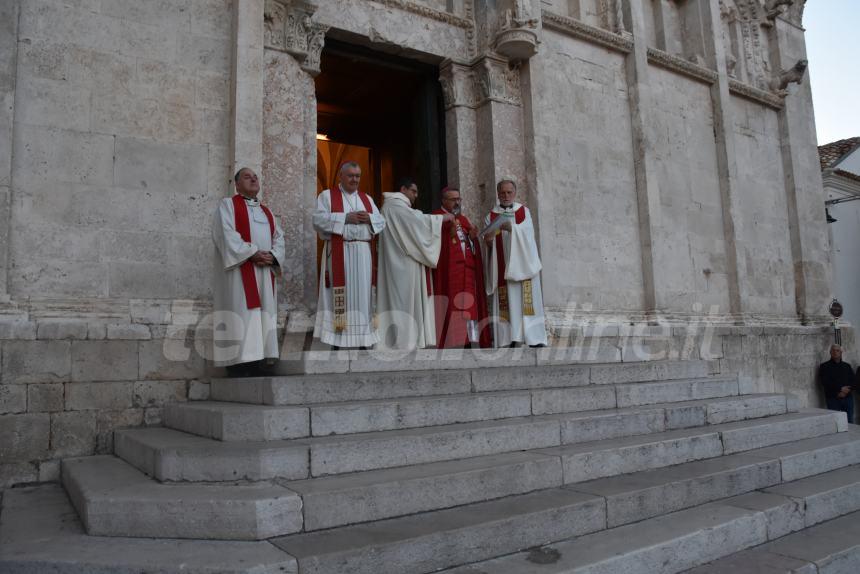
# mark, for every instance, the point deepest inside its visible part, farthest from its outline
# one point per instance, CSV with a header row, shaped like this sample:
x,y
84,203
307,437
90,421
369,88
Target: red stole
x,y
449,287
243,226
502,283
337,255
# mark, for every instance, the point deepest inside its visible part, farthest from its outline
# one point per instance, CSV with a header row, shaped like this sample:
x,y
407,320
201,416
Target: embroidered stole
x,y
338,280
243,226
502,283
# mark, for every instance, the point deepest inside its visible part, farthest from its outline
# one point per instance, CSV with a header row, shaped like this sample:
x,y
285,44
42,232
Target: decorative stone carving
x,y
793,75
619,18
289,27
583,31
773,8
794,14
681,66
751,45
458,85
517,37
496,80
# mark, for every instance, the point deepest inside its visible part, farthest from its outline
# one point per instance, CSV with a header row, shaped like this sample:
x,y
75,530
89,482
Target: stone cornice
x,y
428,12
680,65
577,29
833,181
769,99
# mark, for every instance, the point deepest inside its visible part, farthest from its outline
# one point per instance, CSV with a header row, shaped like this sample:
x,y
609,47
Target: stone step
x,y
392,414
389,384
378,494
667,544
40,533
817,528
592,460
170,455
174,456
646,494
430,541
114,499
237,422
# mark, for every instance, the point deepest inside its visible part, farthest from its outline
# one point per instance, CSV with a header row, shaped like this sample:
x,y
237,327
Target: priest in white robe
x,y
408,248
250,246
512,272
347,220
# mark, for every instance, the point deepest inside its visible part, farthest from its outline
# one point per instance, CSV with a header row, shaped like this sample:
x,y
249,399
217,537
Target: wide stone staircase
x,y
513,461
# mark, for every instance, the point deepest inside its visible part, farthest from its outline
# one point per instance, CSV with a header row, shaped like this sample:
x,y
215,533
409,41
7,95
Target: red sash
x,y
243,226
338,280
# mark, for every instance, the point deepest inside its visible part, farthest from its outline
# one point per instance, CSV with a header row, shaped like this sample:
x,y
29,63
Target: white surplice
x,y
357,268
243,335
521,262
411,242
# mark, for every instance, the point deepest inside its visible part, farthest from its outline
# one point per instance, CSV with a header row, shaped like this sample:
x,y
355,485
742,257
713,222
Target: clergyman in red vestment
x,y
458,281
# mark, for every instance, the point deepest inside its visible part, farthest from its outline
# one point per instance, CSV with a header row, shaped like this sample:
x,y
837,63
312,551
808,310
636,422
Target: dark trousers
x,y
845,405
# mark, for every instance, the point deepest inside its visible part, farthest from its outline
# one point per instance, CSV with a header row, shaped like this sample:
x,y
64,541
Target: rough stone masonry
x,y
667,155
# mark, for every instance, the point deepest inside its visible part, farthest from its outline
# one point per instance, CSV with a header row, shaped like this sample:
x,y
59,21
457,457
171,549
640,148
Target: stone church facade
x,y
666,149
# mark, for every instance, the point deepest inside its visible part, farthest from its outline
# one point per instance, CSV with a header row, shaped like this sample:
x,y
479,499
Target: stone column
x,y
499,124
293,46
644,168
801,172
246,135
8,66
458,93
715,55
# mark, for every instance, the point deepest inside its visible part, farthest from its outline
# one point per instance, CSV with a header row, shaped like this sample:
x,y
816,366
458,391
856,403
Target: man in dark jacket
x,y
837,378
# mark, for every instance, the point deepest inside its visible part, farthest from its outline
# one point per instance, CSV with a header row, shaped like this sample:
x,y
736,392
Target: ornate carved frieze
x,y
769,99
289,27
427,12
577,29
680,65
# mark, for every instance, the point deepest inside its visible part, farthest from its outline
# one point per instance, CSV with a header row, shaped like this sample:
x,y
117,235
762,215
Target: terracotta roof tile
x,y
829,154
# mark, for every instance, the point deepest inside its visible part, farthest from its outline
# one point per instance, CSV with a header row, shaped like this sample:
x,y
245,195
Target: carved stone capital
x,y
458,85
497,80
289,27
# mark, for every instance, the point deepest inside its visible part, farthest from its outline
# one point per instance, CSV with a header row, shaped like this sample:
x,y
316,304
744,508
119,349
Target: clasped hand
x,y
358,217
844,392
262,258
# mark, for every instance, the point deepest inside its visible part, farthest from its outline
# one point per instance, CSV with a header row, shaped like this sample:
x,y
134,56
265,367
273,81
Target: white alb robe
x,y
357,268
243,335
521,262
411,242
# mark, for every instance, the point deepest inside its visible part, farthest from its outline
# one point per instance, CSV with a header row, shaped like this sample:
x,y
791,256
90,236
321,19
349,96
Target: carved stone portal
x,y
289,27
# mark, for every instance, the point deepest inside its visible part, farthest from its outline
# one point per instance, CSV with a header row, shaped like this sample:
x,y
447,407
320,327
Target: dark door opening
x,y
384,112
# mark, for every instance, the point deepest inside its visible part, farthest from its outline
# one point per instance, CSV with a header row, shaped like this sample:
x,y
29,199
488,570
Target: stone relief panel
x,y
748,59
